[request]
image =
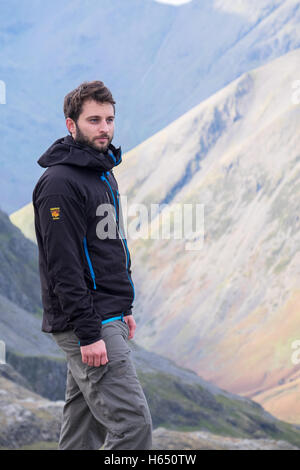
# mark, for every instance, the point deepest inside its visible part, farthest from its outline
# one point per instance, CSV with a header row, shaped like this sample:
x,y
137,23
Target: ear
x,y
71,126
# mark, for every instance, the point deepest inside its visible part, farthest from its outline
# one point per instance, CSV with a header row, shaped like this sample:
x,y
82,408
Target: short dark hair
x,y
94,90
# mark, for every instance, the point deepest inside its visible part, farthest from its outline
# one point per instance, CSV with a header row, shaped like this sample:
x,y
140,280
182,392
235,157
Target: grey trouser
x,y
104,404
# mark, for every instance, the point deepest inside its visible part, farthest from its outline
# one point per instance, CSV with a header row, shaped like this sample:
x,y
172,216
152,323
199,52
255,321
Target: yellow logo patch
x,y
55,212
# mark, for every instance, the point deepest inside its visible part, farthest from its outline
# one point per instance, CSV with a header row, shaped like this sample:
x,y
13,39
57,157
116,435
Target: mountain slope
x,y
231,309
178,398
23,219
19,278
158,60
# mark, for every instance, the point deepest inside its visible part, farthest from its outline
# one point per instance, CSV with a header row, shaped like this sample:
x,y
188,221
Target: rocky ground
x,y
199,440
26,417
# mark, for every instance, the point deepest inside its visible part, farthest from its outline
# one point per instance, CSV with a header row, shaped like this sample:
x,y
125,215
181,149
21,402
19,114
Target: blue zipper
x,y
89,261
106,180
110,153
123,238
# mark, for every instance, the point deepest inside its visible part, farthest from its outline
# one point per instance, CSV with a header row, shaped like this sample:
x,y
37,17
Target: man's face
x,y
95,125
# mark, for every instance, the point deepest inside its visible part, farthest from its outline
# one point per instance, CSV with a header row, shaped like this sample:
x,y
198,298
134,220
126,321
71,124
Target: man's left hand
x,y
132,325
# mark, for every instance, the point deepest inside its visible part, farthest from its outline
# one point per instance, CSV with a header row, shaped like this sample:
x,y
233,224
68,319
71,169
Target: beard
x,y
83,139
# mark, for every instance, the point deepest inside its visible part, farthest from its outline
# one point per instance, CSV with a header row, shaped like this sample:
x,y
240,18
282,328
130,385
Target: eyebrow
x,y
97,116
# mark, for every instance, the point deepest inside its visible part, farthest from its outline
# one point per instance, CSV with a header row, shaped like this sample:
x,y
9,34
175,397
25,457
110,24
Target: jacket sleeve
x,y
62,222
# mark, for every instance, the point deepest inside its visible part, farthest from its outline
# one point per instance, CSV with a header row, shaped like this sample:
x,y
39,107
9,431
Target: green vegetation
x,y
180,406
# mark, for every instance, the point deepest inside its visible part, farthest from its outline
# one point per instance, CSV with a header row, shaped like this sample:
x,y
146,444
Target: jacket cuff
x,y
87,342
128,312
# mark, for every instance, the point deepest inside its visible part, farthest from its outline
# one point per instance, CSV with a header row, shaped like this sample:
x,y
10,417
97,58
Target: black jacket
x,y
84,278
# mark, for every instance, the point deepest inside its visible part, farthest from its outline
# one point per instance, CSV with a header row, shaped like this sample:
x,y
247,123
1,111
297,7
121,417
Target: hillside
x,y
39,420
19,278
187,413
34,377
231,309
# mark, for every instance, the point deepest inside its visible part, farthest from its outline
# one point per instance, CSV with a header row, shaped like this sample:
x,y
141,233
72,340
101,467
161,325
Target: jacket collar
x,y
66,151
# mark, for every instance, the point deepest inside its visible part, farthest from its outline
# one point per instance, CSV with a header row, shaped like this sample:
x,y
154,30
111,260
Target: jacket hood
x,y
66,151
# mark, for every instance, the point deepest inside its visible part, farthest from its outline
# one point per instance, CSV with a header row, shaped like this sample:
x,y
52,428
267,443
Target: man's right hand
x,y
94,354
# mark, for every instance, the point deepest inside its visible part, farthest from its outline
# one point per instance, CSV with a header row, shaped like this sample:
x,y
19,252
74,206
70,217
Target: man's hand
x,y
94,354
132,325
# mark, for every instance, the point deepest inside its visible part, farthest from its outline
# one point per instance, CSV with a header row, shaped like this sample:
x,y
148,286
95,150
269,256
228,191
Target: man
x,y
87,290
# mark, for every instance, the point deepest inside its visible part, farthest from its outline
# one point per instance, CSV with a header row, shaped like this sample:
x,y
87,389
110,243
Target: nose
x,y
103,127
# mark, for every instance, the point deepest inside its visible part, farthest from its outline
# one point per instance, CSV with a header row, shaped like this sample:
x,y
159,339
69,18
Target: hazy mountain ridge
x,y
202,46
